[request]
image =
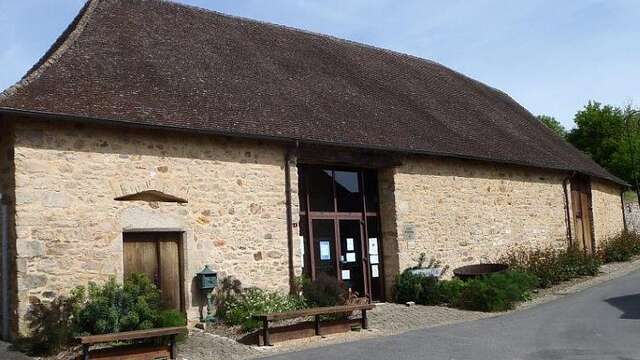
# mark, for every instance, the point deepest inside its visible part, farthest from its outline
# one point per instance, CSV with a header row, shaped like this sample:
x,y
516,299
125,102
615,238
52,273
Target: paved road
x,y
599,323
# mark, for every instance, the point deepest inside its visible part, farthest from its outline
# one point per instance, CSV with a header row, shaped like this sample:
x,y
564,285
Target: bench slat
x,y
313,311
131,335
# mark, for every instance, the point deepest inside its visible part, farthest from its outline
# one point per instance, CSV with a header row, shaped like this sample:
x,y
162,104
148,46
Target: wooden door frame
x,y
181,239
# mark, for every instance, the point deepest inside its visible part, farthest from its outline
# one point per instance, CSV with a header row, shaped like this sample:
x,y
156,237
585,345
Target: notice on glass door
x,y
325,250
349,244
373,246
351,257
374,271
346,274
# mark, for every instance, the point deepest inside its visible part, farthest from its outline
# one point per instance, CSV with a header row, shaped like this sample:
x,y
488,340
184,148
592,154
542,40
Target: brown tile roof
x,y
162,64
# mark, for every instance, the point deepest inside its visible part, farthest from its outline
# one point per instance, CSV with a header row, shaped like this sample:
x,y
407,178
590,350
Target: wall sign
x,y
409,232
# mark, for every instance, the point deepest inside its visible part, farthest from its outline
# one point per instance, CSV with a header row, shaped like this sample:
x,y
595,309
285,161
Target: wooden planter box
x,y
302,330
132,352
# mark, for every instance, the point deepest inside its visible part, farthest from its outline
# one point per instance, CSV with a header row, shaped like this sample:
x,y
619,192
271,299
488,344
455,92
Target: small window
x,y
348,194
320,187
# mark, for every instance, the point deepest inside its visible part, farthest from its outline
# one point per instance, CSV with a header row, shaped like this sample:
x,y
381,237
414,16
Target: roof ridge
x,y
62,43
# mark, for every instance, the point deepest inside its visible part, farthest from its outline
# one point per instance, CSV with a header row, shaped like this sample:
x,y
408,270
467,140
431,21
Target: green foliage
x,y
324,291
552,266
418,288
170,318
114,308
609,135
96,309
495,292
50,325
240,308
553,124
450,291
228,287
621,247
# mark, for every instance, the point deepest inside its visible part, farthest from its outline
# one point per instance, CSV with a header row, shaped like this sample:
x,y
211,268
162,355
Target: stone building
x,y
154,137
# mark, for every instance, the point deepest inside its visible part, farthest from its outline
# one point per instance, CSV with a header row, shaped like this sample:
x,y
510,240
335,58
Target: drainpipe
x,y
4,228
566,207
287,185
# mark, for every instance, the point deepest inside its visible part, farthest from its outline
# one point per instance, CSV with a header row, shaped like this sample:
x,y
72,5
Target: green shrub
x,y
240,308
171,318
326,290
621,247
449,291
576,263
227,289
96,309
421,289
496,292
552,266
114,308
50,326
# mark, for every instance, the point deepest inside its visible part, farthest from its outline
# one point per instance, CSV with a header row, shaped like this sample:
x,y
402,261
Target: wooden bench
x,y
316,312
172,332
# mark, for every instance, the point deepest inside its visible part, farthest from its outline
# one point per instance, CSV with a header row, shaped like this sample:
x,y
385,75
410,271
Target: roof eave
x,y
281,139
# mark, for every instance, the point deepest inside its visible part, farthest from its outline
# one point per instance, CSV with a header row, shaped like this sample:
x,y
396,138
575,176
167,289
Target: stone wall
x,y
69,227
388,227
632,216
462,212
607,209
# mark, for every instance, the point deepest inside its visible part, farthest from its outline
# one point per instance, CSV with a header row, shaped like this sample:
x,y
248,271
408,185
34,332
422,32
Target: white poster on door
x,y
374,271
346,275
373,246
374,259
349,244
351,257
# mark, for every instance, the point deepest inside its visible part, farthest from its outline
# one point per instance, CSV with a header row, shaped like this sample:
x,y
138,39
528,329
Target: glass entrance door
x,y
352,266
339,226
325,251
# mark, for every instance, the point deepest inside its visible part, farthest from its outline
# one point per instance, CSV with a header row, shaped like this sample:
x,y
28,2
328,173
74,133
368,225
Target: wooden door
x,y
581,208
158,256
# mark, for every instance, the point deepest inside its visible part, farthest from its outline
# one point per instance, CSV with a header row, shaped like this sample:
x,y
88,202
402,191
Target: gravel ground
x,y
386,319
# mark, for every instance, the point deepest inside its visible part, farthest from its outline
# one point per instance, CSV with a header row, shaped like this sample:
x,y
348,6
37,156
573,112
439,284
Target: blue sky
x,y
551,56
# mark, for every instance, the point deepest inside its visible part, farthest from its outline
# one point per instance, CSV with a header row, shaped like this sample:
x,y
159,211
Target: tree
x,y
553,124
611,136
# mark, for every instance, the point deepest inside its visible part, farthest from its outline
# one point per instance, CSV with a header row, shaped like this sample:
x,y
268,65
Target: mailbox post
x,y
207,282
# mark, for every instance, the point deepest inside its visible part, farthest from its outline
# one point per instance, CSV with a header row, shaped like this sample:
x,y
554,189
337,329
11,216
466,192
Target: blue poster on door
x,y
325,250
